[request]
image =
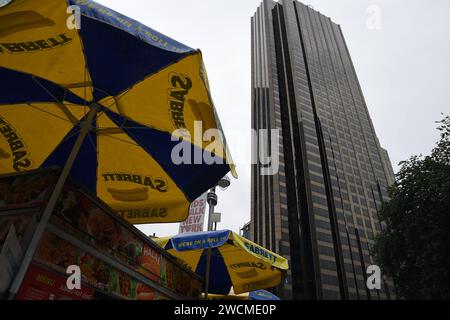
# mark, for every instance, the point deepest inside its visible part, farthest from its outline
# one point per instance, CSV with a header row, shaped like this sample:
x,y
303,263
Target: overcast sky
x,y
403,68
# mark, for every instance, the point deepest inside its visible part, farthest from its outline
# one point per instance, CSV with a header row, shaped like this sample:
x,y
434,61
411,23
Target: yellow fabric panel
x,y
162,242
132,182
29,133
228,157
189,258
248,272
34,38
259,252
172,99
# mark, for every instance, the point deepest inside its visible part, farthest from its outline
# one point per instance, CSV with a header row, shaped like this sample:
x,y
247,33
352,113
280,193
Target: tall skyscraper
x,y
321,209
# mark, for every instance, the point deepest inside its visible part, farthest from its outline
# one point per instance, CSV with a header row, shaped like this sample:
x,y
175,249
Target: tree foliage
x,y
414,247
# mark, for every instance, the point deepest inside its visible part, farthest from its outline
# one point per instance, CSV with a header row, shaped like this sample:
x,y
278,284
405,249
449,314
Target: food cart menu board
x,y
26,190
89,220
41,284
81,215
58,254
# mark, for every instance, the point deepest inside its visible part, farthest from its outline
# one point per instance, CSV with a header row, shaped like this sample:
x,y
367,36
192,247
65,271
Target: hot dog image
x,y
23,20
129,195
247,274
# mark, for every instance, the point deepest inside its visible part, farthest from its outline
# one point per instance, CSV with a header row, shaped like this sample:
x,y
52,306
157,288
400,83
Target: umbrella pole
x,y
208,268
40,228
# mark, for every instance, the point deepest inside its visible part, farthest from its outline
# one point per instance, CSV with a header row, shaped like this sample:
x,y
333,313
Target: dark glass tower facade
x,y
320,210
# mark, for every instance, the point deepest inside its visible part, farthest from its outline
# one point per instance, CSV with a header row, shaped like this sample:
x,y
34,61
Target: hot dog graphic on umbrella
x,y
129,195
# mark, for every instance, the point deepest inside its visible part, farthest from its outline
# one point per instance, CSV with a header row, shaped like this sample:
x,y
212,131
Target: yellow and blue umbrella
x,y
262,295
85,87
226,260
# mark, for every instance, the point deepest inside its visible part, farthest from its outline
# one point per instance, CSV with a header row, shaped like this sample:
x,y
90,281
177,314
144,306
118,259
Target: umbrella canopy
x,y
262,295
234,261
126,87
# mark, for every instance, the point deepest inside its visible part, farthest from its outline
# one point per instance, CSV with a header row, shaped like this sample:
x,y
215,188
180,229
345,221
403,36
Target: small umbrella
x,y
225,259
112,102
262,295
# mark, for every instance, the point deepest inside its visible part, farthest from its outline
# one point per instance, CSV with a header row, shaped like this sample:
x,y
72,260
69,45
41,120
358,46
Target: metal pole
x,y
212,201
85,126
211,211
208,267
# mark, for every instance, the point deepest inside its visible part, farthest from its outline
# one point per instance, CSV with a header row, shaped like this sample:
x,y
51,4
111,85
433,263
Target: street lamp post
x,y
211,198
212,201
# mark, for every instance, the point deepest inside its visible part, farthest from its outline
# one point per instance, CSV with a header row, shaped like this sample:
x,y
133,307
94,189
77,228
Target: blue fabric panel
x,y
84,169
117,60
94,10
262,295
19,87
200,240
219,278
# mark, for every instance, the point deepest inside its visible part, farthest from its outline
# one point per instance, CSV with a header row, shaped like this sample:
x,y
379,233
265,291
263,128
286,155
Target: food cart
x,y
115,259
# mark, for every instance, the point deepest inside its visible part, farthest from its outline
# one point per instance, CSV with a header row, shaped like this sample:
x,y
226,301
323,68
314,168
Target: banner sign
x,y
204,240
150,264
196,218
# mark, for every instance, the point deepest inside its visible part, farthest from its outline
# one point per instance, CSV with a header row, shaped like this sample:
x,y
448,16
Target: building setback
x,y
320,210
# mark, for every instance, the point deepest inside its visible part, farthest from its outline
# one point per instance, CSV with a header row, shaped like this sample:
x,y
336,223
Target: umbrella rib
x,y
69,137
122,140
93,144
91,87
85,92
102,112
59,103
131,127
43,87
115,102
49,113
114,98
